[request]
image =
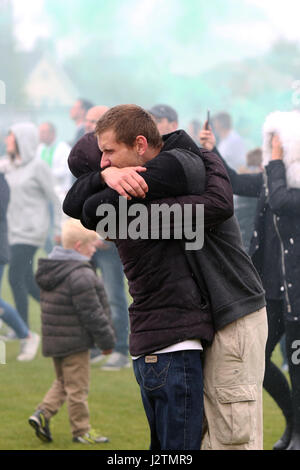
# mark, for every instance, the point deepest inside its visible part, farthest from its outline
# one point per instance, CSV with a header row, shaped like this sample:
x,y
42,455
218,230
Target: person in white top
x,y
55,154
231,145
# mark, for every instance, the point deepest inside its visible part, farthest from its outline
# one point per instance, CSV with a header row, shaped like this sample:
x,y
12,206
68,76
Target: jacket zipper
x,y
289,309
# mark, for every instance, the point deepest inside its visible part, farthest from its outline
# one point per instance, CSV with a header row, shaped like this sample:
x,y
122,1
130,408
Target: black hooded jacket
x,y
162,275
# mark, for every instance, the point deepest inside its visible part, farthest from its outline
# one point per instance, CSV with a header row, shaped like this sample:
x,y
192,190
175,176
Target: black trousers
x,y
21,277
275,382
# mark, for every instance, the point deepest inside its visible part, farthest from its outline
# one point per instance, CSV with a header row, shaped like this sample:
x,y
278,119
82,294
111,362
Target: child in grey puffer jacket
x,y
75,317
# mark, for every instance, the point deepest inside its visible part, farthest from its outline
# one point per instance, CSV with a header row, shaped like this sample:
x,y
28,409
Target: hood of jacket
x,y
286,125
85,156
179,140
27,138
53,270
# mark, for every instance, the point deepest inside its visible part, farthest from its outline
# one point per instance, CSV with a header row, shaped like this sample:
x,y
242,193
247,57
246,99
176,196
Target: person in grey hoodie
x,y
29,341
31,189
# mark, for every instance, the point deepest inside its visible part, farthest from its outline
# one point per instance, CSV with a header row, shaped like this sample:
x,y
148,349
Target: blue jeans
x,y
21,277
109,262
10,315
172,394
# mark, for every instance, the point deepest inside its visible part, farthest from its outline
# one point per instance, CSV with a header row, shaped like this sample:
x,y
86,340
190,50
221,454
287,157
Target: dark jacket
x,y
275,243
75,310
285,205
167,304
138,267
4,200
245,210
228,282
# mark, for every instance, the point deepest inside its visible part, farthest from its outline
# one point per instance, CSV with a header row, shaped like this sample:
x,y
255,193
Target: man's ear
x,y
77,245
141,144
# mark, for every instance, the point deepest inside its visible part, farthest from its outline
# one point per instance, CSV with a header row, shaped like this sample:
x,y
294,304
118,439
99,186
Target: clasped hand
x,y
126,181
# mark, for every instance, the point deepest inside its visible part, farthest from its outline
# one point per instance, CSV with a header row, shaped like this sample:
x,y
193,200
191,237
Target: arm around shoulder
x,y
83,188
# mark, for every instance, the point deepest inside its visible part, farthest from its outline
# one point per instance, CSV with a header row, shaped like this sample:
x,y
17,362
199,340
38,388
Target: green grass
x,y
114,402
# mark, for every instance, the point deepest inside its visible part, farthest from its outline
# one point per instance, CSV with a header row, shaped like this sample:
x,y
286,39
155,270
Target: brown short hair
x,y
128,121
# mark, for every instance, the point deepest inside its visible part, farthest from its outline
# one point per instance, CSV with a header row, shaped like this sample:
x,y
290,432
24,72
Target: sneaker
x,y
10,335
41,426
29,347
96,356
285,367
91,437
116,361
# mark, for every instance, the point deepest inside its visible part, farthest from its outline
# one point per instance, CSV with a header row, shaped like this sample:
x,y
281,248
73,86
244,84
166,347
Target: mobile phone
x,y
207,124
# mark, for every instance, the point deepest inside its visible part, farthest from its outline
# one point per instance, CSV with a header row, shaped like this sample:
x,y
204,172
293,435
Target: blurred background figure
x,y
166,118
253,162
92,116
29,340
31,186
108,261
193,129
245,207
77,114
55,154
230,144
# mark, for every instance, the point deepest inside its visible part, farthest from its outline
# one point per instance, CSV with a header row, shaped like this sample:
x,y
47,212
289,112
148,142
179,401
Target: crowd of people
x,y
203,324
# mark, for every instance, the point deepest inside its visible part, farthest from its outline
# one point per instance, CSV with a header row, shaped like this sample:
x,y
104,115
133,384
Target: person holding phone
x,y
274,250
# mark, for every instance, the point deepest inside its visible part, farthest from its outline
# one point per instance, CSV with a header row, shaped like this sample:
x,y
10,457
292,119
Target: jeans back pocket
x,y
154,375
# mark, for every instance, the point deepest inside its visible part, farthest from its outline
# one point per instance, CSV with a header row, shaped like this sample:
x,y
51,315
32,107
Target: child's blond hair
x,y
73,231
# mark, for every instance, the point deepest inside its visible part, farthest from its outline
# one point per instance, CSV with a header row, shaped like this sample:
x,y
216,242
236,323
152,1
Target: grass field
x,y
114,401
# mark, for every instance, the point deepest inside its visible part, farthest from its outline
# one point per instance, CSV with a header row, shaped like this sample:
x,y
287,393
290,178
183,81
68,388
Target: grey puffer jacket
x,y
75,309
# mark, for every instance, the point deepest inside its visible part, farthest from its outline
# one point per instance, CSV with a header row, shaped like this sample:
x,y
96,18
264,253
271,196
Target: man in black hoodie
x,y
168,308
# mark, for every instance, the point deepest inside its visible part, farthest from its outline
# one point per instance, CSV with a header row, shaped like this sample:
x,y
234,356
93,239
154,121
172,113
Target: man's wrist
x,y
104,172
276,156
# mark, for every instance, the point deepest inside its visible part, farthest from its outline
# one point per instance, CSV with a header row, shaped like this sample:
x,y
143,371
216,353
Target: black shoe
x,y
41,426
283,442
294,442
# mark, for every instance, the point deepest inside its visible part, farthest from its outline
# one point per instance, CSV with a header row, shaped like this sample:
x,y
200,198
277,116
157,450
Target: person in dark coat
x,y
275,251
75,317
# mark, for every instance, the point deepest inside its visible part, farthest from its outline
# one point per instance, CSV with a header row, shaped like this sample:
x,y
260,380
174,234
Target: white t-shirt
x,y
188,345
233,150
59,167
